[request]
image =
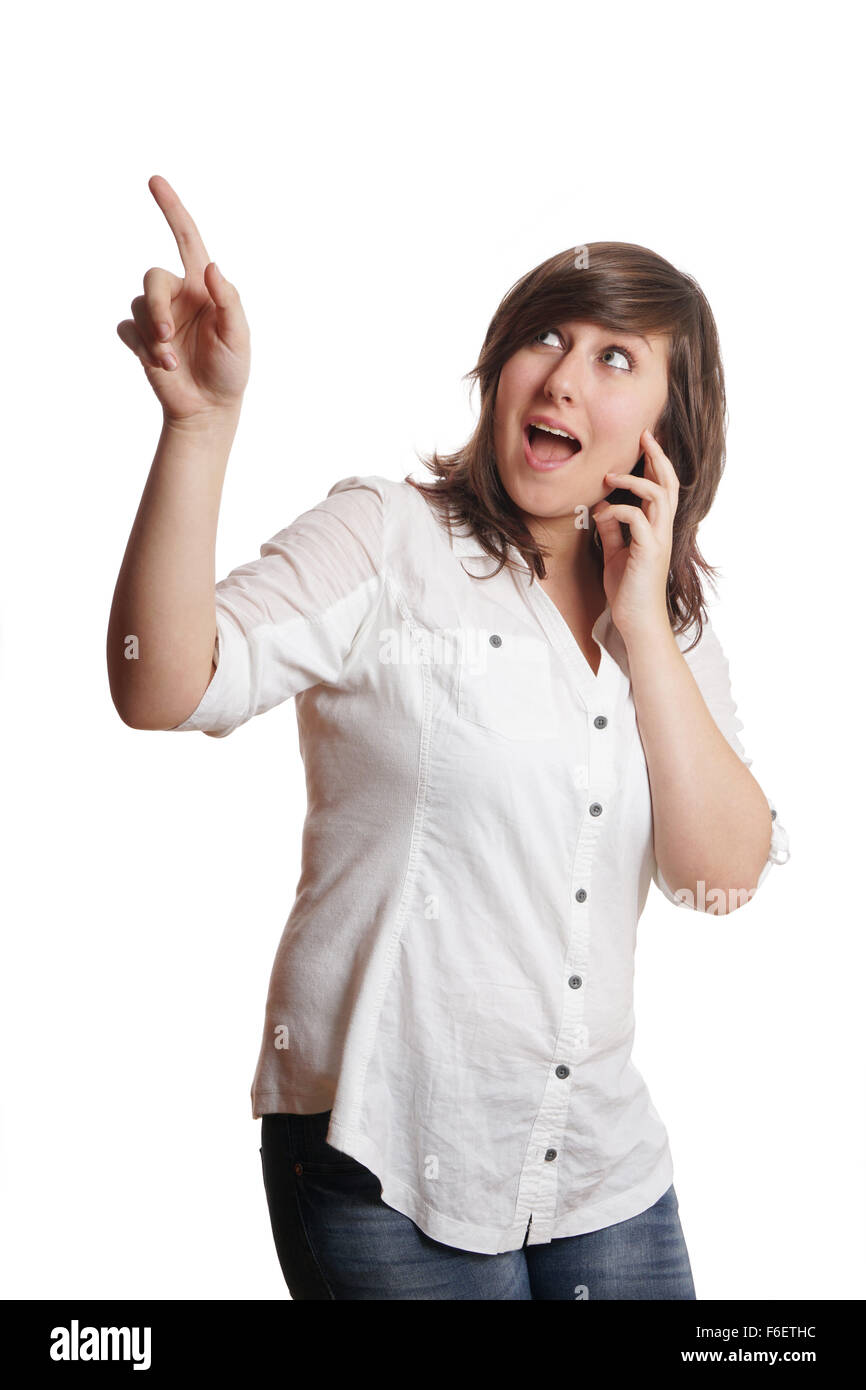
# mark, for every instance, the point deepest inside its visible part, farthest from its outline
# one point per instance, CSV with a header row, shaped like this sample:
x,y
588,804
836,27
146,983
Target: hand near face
x,y
636,575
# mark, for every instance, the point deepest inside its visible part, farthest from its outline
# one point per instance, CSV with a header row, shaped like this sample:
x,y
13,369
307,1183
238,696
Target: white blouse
x,y
454,981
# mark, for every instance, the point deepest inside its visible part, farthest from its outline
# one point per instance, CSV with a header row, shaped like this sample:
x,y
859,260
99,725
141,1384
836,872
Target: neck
x,y
572,557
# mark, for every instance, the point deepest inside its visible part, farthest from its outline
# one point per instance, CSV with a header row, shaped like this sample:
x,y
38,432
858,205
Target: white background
x,y
373,178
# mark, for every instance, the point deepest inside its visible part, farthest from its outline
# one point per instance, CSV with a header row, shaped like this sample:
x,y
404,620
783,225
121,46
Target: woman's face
x,y
602,386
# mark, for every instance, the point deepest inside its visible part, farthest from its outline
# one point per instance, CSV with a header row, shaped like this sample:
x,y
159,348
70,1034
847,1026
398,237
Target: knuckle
x,y
154,281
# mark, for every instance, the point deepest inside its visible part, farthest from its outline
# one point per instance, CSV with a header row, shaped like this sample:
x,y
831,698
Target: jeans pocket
x,y
313,1153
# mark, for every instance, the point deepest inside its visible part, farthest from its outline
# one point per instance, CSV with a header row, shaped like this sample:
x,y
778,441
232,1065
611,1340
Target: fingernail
x,y
164,331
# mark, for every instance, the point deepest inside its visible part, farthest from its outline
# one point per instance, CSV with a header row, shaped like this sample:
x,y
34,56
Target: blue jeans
x,y
336,1238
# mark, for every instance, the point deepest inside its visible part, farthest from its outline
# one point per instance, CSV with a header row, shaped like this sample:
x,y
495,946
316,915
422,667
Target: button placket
x,y
537,1191
573,1039
551,1132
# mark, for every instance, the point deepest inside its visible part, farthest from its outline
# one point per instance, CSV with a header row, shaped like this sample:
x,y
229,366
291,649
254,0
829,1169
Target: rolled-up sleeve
x,y
709,666
289,620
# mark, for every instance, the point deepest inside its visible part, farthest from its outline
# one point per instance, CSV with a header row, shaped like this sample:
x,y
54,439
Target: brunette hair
x,y
626,287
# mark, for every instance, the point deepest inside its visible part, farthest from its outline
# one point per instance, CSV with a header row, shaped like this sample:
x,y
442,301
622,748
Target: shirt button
x,y
595,809
600,721
495,640
550,1155
562,1071
575,981
772,815
581,895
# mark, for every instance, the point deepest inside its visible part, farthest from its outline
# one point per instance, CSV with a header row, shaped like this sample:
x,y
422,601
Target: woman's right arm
x,y
162,626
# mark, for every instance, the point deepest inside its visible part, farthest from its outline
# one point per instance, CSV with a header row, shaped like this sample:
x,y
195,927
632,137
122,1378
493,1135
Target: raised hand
x,y
636,575
199,363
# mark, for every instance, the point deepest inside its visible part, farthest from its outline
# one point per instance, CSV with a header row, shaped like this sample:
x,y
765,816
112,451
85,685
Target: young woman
x,y
513,713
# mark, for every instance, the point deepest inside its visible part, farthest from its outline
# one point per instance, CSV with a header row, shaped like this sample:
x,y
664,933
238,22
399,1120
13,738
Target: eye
x,y
615,348
547,333
623,352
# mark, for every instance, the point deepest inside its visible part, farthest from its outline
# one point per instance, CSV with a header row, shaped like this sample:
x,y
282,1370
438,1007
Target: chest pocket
x,y
506,686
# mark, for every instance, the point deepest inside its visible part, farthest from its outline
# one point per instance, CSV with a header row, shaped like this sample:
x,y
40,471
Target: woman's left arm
x,y
712,823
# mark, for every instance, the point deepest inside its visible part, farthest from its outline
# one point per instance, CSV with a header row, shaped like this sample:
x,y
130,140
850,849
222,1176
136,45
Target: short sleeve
x,y
289,620
709,666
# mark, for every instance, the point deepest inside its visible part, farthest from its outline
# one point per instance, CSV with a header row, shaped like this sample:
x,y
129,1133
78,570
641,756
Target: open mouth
x,y
550,447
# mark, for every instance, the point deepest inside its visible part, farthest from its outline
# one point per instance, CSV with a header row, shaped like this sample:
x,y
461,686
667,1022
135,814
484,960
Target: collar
x,y
466,545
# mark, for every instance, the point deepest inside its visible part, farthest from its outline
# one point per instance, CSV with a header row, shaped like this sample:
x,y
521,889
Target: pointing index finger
x,y
192,249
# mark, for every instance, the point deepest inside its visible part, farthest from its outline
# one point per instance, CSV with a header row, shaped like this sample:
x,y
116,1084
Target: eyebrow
x,y
627,333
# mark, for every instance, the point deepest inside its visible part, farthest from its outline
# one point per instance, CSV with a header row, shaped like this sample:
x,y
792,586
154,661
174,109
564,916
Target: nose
x,y
559,385
558,393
